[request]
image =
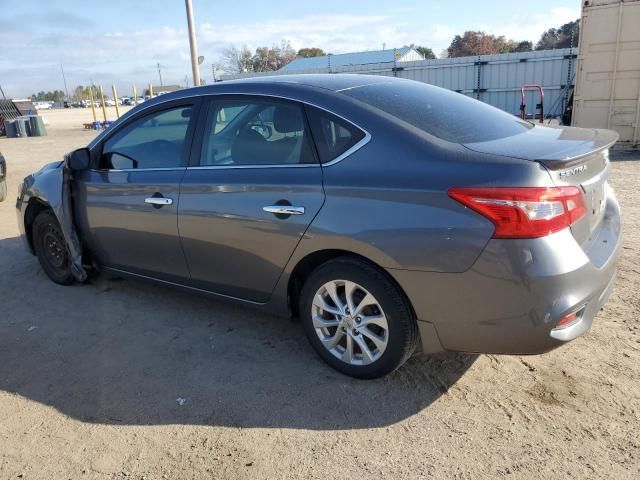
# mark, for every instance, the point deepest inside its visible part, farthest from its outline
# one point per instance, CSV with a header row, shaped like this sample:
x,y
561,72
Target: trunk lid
x,y
572,156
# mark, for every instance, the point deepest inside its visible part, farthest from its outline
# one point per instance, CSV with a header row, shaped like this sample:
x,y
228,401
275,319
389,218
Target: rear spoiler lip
x,y
604,139
591,140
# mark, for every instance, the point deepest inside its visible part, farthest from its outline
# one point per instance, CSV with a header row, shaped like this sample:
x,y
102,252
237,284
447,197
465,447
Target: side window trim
x,y
194,102
357,146
351,150
212,102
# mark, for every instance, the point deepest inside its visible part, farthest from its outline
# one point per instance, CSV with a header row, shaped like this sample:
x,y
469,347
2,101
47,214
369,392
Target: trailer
x,y
607,93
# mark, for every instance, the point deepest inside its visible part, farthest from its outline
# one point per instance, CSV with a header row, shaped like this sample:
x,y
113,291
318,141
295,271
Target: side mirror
x,y
79,159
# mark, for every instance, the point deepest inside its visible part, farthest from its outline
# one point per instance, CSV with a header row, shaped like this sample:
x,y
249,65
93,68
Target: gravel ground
x,y
122,379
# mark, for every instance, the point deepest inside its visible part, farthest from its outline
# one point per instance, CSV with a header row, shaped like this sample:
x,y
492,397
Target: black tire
x,y
51,248
402,336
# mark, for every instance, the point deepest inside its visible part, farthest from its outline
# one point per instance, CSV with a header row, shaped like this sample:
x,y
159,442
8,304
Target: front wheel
x,y
51,248
357,319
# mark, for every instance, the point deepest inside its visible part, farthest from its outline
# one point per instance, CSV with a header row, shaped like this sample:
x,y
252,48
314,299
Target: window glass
x,y
255,132
442,113
154,141
333,135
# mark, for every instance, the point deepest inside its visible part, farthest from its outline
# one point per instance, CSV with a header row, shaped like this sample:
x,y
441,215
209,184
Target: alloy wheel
x,y
350,322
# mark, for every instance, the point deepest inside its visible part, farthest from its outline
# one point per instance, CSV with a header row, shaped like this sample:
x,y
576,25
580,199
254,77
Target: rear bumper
x,y
517,291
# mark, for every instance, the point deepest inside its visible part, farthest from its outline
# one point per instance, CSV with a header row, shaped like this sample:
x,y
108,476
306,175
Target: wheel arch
x,y
34,208
313,260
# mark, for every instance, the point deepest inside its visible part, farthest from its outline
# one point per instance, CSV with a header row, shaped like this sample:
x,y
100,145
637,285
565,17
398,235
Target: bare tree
x,y
237,60
265,59
271,59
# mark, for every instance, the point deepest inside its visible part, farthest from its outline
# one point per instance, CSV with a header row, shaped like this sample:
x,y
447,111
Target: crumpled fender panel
x,y
52,186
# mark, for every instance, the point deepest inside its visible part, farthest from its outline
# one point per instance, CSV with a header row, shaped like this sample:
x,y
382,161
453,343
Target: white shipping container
x,y
607,93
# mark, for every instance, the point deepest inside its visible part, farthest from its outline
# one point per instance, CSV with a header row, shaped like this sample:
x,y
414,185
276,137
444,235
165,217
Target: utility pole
x,y
65,82
160,74
2,91
192,44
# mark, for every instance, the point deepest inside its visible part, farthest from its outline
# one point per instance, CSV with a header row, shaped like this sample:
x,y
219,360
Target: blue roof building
x,y
404,54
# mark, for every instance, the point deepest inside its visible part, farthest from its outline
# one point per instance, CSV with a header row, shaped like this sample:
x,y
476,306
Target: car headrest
x,y
248,148
287,119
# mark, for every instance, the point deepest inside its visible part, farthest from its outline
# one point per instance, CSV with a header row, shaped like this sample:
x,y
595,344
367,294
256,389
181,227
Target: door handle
x,y
284,210
158,201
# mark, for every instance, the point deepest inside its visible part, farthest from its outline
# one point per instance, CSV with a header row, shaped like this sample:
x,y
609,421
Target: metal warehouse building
x,y
329,62
494,79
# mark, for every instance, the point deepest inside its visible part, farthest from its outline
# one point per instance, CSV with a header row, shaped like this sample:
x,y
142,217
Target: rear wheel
x,y
356,318
51,248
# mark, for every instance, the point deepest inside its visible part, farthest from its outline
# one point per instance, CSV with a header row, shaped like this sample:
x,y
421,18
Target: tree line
x,y
54,96
481,43
264,59
81,92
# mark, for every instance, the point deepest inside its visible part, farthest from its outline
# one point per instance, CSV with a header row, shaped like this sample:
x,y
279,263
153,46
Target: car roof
x,y
331,82
334,82
328,83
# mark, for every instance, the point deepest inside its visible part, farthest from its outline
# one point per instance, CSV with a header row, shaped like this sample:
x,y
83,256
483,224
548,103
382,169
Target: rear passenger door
x,y
253,188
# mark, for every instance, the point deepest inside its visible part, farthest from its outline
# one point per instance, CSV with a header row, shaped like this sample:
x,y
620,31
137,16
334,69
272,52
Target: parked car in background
x,y
42,105
3,178
389,216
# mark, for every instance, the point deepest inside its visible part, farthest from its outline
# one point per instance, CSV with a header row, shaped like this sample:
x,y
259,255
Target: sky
x,y
121,41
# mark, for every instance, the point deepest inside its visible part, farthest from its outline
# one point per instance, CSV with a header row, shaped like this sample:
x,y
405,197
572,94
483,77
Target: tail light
x,y
522,212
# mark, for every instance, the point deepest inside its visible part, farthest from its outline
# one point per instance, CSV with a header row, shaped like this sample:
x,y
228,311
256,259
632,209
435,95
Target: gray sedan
x,y
388,216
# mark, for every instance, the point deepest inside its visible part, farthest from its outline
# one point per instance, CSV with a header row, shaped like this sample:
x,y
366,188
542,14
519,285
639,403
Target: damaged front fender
x,y
51,188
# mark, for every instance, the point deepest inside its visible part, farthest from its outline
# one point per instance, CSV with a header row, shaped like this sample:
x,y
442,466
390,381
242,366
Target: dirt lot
x,y
91,377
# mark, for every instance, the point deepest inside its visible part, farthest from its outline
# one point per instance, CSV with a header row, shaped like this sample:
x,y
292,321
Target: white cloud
x,y
325,31
31,61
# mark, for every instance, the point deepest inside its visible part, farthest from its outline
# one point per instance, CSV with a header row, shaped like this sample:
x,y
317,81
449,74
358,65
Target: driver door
x,y
130,197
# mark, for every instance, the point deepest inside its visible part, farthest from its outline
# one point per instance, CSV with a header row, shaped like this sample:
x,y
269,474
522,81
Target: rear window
x,y
442,113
